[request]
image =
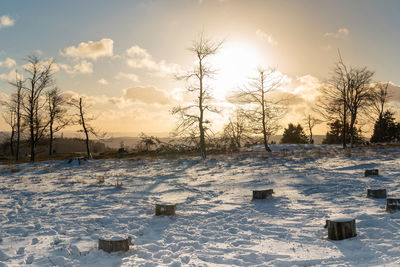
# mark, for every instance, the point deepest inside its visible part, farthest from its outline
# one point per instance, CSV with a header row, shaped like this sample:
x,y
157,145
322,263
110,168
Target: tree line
x,y
349,99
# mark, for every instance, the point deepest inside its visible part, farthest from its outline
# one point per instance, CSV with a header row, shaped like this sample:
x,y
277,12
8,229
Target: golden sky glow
x,y
123,57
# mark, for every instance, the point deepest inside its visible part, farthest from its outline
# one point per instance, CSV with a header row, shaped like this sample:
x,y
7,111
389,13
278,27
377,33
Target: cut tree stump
x,y
114,244
372,172
262,194
392,204
341,228
376,193
165,209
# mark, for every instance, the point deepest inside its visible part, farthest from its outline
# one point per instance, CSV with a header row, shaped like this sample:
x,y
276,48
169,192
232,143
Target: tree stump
x,y
341,228
262,194
392,204
372,172
114,244
165,209
376,193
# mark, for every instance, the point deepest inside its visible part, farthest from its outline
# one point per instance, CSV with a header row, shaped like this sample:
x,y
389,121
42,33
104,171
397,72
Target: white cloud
x,y
340,33
265,36
8,77
129,76
103,81
6,21
83,67
92,50
9,63
139,58
148,95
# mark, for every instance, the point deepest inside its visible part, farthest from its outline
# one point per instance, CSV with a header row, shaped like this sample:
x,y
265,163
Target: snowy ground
x,y
53,213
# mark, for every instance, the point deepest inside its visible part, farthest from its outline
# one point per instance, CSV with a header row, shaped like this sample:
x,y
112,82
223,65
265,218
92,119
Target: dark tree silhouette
x,y
386,129
294,135
347,94
39,78
57,114
334,135
84,119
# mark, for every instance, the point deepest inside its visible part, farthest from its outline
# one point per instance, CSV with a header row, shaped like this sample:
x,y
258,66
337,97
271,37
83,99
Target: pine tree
x,y
294,135
386,129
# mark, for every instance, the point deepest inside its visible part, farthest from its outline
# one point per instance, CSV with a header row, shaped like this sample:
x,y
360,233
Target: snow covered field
x,y
52,213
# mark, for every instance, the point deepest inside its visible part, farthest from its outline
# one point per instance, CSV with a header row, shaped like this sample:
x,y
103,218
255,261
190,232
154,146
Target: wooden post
x,y
372,172
392,204
165,209
341,228
262,194
114,244
376,193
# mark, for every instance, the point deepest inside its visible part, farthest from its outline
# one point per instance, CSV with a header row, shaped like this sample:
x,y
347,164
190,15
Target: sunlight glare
x,y
235,64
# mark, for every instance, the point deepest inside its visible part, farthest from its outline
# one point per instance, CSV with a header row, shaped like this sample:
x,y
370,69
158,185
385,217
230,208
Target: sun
x,y
235,63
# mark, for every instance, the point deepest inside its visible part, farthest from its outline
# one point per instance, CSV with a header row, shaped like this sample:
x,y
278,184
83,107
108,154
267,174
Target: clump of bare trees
x,y
347,94
25,107
39,108
192,118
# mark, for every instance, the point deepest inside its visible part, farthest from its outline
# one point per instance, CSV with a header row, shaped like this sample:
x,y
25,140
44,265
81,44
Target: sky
x,y
122,55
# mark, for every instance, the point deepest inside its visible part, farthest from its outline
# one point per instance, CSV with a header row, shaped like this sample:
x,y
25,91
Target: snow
x,y
53,213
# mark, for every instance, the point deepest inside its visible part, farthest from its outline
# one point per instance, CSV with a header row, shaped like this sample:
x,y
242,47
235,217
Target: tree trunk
x,y
84,129
18,124
352,122
32,139
265,139
344,131
51,139
12,142
201,128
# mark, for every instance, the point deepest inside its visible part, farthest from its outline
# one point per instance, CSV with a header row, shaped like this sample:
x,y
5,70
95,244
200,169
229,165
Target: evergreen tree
x,y
386,129
335,134
294,135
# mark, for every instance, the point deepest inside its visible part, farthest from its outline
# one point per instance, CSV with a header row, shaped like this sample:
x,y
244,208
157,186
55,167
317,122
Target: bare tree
x,y
311,122
332,103
57,114
380,99
15,106
347,94
194,115
359,96
10,118
84,119
39,79
262,112
236,128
